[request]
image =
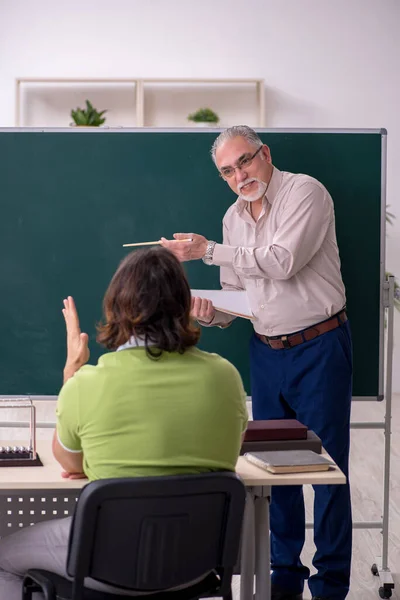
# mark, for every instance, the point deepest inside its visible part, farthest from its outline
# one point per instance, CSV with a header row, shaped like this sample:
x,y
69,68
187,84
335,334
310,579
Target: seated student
x,y
155,405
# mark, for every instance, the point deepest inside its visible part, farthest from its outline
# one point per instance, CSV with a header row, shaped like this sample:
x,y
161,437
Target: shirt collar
x,y
133,342
274,185
272,190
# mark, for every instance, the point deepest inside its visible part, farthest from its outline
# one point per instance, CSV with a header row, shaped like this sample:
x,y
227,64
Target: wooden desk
x,y
255,551
35,483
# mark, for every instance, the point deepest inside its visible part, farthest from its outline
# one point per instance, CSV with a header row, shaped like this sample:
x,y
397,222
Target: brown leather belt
x,y
294,339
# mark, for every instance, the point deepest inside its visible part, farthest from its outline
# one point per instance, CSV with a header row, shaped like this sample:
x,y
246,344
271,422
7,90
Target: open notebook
x,y
231,302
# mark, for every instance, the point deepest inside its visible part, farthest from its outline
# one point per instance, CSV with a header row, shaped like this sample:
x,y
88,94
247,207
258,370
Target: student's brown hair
x,y
149,297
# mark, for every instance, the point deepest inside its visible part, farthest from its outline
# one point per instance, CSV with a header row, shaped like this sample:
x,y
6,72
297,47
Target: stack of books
x,y
279,434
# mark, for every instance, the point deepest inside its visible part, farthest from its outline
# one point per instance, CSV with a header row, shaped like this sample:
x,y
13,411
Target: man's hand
x,y
77,342
186,250
202,310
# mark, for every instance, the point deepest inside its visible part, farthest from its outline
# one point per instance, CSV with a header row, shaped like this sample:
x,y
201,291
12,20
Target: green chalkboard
x,y
70,199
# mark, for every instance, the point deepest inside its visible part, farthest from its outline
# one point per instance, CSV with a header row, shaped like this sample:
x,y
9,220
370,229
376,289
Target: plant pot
x,y
75,125
204,124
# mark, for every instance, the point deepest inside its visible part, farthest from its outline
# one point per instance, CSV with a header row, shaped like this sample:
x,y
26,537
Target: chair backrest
x,y
156,533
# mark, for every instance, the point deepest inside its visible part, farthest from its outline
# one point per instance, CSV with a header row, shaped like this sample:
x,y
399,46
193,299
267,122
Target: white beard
x,y
253,196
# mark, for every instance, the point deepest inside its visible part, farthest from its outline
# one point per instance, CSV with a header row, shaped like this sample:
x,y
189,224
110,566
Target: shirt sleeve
x,y
245,416
67,413
304,223
242,402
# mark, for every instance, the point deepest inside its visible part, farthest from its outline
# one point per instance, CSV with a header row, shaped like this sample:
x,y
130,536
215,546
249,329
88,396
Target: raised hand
x,y
77,342
186,250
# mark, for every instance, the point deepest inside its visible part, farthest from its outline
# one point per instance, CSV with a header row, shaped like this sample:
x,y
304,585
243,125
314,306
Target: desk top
x,y
49,476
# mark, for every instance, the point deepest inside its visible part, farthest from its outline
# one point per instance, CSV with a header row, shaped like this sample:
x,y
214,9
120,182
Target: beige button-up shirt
x,y
288,261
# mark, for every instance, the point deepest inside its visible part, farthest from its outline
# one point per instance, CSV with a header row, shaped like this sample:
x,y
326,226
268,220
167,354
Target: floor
x,y
366,480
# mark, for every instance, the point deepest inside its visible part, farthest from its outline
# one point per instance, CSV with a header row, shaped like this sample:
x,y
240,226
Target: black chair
x,y
150,535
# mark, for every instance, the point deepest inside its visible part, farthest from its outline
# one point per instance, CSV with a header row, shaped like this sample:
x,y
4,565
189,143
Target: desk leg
x,y
247,557
262,541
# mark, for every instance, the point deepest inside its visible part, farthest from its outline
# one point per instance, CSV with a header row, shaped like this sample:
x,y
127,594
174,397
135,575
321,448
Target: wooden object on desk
x,y
254,476
289,461
275,429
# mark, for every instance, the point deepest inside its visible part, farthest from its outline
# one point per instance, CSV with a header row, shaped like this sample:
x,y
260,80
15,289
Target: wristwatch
x,y
207,258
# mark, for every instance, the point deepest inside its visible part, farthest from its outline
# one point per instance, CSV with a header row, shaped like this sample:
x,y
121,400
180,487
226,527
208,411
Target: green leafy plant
x,y
389,219
396,292
89,117
204,115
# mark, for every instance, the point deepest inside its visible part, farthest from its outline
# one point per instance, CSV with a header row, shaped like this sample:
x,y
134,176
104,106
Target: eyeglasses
x,y
228,172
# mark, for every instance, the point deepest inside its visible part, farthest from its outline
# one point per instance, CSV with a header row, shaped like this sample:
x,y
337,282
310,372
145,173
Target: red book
x,y
276,429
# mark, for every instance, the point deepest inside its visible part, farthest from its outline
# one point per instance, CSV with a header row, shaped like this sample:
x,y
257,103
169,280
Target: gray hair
x,y
236,131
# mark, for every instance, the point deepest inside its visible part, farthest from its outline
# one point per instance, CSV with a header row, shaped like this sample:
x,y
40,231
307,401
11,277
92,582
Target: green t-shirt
x,y
132,416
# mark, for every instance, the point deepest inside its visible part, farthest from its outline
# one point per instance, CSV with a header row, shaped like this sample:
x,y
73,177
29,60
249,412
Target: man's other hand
x,y
202,310
186,250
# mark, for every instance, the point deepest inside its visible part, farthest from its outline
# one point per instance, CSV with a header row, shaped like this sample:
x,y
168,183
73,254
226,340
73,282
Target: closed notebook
x,y
312,442
289,461
275,429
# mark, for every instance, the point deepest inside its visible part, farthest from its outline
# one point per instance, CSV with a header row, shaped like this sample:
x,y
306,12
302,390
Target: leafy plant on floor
x,y
389,219
396,293
204,115
89,117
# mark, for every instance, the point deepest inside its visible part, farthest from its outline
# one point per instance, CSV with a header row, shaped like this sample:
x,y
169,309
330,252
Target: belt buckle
x,y
285,341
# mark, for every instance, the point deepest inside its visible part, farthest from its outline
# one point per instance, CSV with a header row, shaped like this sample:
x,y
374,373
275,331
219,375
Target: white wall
x,y
326,64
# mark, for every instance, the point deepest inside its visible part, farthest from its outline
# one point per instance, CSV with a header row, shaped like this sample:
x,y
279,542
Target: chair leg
x,y
36,583
28,588
228,596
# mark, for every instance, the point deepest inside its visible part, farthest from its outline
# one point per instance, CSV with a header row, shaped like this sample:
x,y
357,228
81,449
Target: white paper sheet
x,y
231,302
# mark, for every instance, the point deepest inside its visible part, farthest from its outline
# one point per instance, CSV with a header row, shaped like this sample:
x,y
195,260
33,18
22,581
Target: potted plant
x,y
389,219
204,117
89,117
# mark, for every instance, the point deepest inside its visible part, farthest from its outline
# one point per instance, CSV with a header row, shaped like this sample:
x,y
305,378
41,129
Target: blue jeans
x,y
311,382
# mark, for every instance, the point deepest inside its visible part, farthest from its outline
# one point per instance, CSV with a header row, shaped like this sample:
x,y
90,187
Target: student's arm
x,y
66,443
67,449
77,342
70,461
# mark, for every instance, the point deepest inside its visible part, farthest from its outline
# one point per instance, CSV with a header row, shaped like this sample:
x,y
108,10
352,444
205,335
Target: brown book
x,y
312,442
275,429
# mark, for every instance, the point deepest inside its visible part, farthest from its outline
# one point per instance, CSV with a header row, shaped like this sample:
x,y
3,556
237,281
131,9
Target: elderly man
x,y
279,244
